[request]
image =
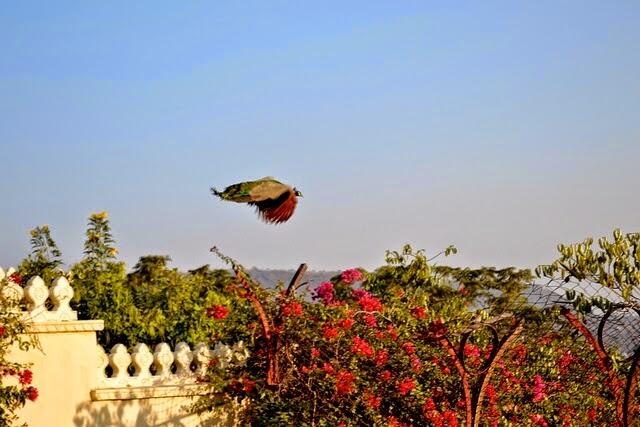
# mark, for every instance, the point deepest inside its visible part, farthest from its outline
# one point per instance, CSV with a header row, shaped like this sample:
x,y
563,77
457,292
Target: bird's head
x,y
297,192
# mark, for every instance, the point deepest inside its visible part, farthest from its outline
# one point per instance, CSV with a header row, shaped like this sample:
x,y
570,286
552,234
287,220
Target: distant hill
x,y
269,278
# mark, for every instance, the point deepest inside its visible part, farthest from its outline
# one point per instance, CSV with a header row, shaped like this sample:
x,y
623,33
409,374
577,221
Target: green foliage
x,y
614,265
151,304
45,258
99,247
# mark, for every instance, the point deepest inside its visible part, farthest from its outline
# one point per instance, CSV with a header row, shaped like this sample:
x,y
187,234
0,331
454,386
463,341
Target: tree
x,y
45,258
614,265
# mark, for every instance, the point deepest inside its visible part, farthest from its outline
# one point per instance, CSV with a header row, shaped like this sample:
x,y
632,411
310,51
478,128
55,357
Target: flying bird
x,y
274,201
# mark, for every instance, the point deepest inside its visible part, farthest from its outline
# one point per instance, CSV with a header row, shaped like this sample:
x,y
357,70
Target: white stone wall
x,y
144,388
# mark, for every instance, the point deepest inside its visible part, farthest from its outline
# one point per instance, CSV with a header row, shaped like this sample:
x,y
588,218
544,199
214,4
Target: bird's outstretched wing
x,y
277,210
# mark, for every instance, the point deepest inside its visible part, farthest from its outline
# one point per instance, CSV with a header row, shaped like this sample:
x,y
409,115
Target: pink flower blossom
x,y
538,389
351,275
359,293
416,365
324,291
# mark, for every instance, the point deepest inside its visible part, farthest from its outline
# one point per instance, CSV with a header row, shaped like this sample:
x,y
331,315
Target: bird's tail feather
x,y
216,192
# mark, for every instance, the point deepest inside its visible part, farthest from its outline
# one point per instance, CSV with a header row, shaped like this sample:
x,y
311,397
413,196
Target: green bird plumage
x,y
274,201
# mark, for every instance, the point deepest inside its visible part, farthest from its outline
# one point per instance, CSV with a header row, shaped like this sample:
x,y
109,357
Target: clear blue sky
x,y
501,127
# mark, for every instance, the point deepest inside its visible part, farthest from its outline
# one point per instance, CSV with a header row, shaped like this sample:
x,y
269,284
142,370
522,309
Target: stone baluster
x,y
183,359
36,294
142,360
240,353
201,355
162,359
223,355
103,362
119,360
60,294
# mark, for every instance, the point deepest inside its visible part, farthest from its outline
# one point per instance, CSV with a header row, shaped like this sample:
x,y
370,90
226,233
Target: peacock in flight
x,y
274,201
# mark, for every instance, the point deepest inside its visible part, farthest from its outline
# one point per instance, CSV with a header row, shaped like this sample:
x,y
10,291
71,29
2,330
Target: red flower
x,y
429,405
315,352
362,347
329,332
25,377
520,352
370,303
16,278
437,329
394,422
328,368
217,312
248,385
292,308
372,400
346,323
471,350
382,357
538,420
409,347
566,360
370,320
450,419
385,375
392,332
351,275
344,382
31,393
406,385
419,312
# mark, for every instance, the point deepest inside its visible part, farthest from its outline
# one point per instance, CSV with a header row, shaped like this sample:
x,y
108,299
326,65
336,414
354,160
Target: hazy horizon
x,y
501,128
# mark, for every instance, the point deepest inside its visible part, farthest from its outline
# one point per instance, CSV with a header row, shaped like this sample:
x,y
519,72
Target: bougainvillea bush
x,y
16,379
364,350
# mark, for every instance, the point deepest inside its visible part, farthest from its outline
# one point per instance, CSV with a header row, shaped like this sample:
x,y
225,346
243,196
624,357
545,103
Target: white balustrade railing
x,y
140,367
35,295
